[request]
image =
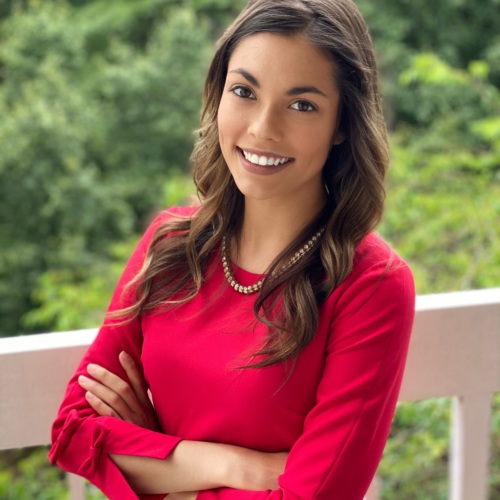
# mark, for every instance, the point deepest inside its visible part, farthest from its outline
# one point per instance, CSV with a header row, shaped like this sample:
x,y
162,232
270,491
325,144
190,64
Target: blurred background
x,y
98,103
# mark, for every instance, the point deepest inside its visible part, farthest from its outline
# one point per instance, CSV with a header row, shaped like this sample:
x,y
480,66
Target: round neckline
x,y
244,277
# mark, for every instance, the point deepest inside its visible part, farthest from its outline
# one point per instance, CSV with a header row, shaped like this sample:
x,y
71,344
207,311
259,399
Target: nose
x,y
265,124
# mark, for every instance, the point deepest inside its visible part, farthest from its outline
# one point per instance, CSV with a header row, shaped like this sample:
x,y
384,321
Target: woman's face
x,y
277,118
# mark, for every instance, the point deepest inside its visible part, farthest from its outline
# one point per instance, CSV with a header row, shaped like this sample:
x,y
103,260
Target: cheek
x,y
227,122
316,144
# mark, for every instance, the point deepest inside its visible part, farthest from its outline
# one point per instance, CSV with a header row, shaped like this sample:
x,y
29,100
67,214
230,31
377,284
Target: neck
x,y
268,228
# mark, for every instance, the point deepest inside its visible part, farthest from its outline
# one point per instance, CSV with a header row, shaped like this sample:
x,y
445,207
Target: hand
x,y
111,396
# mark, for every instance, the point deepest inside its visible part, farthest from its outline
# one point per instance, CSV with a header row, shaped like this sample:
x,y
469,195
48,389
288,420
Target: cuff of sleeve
x,y
130,439
84,447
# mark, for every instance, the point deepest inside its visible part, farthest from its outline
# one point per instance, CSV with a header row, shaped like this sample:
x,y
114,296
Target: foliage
x,y
99,99
419,437
71,305
88,145
23,471
443,203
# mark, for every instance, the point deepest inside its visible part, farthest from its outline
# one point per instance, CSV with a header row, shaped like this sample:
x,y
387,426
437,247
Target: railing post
x,y
76,486
470,447
373,492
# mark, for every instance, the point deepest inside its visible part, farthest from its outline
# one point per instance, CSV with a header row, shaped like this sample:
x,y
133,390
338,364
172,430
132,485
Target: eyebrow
x,y
306,89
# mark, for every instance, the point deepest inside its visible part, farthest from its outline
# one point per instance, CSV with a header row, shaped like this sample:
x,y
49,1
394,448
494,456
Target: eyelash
x,y
239,88
312,108
235,90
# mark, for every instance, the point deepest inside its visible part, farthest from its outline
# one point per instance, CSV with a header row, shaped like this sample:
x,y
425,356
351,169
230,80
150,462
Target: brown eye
x,y
303,106
243,92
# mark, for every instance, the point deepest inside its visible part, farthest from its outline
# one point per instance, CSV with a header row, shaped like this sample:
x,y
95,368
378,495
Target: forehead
x,y
285,57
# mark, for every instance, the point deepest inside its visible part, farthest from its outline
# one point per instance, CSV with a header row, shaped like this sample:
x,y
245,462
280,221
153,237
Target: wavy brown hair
x,y
176,266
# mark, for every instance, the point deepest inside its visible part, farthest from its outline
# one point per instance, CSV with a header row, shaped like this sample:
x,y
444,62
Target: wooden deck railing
x,y
454,351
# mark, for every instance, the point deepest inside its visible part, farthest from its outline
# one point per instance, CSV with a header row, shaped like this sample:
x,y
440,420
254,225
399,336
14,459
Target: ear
x,y
338,138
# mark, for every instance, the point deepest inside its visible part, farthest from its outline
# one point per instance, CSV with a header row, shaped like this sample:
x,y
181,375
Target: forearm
x,y
193,465
196,465
189,465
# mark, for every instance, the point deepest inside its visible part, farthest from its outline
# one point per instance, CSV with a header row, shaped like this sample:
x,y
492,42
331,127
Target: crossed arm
x,y
193,465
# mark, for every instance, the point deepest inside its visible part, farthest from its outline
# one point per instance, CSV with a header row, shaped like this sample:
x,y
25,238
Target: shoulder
x,y
159,220
176,213
374,256
168,215
379,277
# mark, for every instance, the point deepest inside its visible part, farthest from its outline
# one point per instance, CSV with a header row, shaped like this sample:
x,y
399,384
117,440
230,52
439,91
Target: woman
x,y
270,324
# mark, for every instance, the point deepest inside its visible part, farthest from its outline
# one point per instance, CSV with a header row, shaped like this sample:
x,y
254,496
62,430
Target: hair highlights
x,y
353,175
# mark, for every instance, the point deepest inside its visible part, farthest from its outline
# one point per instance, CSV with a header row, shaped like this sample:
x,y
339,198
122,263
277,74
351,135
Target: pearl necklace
x,y
248,290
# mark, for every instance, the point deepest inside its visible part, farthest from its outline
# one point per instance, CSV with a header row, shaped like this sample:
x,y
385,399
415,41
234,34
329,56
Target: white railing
x,y
454,351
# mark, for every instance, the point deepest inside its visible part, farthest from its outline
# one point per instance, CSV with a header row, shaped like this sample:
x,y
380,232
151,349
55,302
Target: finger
x,y
136,378
100,406
116,385
109,397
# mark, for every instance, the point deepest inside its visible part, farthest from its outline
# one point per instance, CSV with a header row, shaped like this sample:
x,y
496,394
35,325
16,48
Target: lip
x,y
259,169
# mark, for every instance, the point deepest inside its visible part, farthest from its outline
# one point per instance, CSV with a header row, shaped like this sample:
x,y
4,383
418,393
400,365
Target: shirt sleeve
x,y
82,440
344,434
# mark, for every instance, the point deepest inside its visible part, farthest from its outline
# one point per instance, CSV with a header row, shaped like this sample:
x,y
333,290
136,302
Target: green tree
x,y
88,144
444,188
98,99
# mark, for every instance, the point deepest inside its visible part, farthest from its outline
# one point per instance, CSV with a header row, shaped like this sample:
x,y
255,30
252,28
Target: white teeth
x,y
264,160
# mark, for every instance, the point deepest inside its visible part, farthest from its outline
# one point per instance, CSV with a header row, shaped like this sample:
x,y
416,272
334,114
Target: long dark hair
x,y
353,174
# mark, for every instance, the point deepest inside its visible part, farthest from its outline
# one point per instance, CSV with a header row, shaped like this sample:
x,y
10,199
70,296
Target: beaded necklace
x,y
248,290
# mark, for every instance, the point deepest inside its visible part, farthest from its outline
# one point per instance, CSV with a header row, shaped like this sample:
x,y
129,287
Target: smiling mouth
x,y
263,161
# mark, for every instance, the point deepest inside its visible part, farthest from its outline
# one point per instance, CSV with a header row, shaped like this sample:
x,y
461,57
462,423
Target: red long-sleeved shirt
x,y
333,414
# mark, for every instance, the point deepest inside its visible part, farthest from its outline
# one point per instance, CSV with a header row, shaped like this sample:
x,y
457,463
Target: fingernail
x,y
92,369
82,379
89,395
